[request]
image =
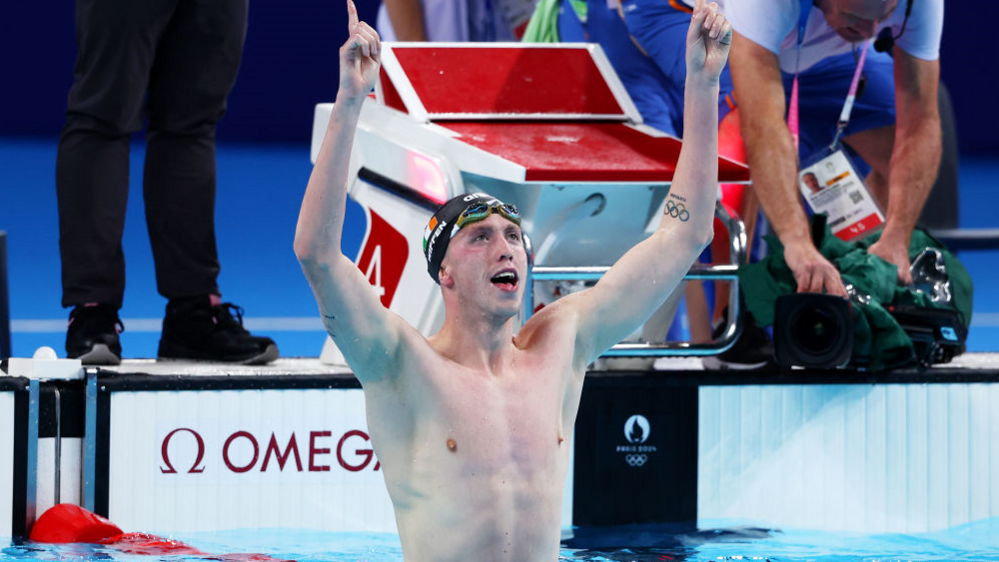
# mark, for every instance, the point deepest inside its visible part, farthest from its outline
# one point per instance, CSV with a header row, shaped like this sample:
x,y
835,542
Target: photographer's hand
x,y
812,271
896,253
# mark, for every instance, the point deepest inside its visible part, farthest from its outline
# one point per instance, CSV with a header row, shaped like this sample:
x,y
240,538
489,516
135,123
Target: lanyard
x,y
844,115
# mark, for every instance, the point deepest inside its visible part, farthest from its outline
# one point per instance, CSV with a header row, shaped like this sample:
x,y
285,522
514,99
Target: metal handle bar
x,y
737,237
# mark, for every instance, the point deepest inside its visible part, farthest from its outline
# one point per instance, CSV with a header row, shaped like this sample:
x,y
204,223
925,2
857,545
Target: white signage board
x,y
891,458
6,463
184,461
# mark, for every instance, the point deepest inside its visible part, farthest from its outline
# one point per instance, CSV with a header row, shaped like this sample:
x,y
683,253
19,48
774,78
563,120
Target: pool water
x,y
975,542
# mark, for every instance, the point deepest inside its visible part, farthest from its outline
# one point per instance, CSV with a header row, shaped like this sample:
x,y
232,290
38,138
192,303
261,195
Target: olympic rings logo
x,y
677,211
636,460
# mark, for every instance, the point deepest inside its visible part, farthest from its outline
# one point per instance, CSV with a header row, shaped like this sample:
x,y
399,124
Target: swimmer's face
x,y
857,20
486,265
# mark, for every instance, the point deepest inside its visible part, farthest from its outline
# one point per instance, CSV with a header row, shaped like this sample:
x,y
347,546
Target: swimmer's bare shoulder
x,y
555,330
406,354
572,326
412,355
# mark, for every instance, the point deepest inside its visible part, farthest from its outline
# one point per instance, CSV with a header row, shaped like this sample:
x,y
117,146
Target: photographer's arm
x,y
773,163
915,158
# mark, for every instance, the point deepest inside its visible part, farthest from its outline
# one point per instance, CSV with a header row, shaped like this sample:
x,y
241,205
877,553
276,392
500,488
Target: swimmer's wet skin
x,y
460,421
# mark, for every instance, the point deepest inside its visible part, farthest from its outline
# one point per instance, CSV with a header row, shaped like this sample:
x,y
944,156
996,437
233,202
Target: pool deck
x,y
969,367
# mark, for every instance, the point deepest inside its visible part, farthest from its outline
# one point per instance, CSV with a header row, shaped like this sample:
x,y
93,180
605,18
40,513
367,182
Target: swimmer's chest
x,y
492,420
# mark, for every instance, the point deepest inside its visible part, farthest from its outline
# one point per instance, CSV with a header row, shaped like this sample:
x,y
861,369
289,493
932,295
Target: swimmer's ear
x,y
444,276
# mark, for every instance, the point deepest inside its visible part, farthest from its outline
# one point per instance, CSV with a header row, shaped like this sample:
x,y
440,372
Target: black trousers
x,y
172,62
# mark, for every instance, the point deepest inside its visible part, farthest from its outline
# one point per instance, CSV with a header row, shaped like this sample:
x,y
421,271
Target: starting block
x,y
547,127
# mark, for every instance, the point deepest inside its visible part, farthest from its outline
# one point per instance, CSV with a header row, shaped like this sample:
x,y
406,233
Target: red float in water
x,y
67,523
71,523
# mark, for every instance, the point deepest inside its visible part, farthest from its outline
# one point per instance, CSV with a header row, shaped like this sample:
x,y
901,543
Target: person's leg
x,y
195,69
697,312
871,133
659,31
570,28
647,86
740,201
875,147
822,91
116,42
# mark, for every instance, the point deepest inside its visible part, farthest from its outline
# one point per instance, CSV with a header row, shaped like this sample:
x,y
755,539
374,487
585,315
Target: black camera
x,y
813,330
816,331
937,334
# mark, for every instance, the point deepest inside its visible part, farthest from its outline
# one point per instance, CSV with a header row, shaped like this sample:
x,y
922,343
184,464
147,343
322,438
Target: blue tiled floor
x,y
260,189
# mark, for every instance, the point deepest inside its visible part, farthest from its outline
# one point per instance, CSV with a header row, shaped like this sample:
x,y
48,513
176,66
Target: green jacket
x,y
543,27
879,341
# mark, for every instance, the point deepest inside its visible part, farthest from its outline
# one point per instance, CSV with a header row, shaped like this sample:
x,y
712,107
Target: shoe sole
x,y
714,363
100,354
268,355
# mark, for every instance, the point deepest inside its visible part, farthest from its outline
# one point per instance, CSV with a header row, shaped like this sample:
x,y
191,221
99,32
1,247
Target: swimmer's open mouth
x,y
506,279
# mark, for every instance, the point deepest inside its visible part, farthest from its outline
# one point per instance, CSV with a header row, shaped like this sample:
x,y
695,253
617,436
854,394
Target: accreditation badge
x,y
830,185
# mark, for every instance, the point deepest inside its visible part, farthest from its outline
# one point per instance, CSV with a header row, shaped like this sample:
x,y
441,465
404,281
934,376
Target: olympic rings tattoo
x,y
677,211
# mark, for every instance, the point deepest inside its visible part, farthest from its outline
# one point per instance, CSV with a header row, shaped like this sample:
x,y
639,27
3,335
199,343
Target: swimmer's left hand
x,y
360,57
896,253
708,40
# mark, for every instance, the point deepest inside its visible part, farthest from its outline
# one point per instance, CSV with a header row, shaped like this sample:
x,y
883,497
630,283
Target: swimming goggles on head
x,y
480,211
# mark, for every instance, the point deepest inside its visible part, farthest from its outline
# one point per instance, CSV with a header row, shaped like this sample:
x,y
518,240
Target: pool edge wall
x,y
903,452
14,457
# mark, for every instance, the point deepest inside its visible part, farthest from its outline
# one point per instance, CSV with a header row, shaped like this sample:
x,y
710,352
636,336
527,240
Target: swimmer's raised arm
x,y
364,330
646,275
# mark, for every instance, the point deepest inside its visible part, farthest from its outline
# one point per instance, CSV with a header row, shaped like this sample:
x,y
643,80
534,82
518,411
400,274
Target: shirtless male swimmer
x,y
473,425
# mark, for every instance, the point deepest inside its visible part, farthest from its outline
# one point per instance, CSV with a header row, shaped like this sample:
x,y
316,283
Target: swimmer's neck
x,y
481,345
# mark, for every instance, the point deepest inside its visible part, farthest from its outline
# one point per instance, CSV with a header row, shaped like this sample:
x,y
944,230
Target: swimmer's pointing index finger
x,y
351,17
697,20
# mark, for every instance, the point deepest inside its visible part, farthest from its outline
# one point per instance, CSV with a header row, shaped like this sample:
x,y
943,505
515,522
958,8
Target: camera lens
x,y
815,330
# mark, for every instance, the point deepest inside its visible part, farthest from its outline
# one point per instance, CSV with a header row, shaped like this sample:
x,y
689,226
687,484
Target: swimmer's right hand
x,y
360,57
709,37
812,271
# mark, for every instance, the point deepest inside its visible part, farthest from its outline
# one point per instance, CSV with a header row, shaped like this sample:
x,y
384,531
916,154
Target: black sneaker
x,y
195,329
753,349
92,335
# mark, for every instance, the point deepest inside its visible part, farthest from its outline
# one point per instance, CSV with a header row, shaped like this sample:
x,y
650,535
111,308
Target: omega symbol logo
x,y
164,451
637,429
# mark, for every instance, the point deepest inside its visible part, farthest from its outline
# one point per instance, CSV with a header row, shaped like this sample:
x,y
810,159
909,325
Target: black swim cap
x,y
443,225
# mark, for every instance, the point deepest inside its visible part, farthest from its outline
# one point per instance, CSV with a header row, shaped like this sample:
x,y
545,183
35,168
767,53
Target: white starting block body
x,y
547,127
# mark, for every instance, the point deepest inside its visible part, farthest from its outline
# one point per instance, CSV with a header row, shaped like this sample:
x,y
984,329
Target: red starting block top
x,y
584,152
558,110
442,81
